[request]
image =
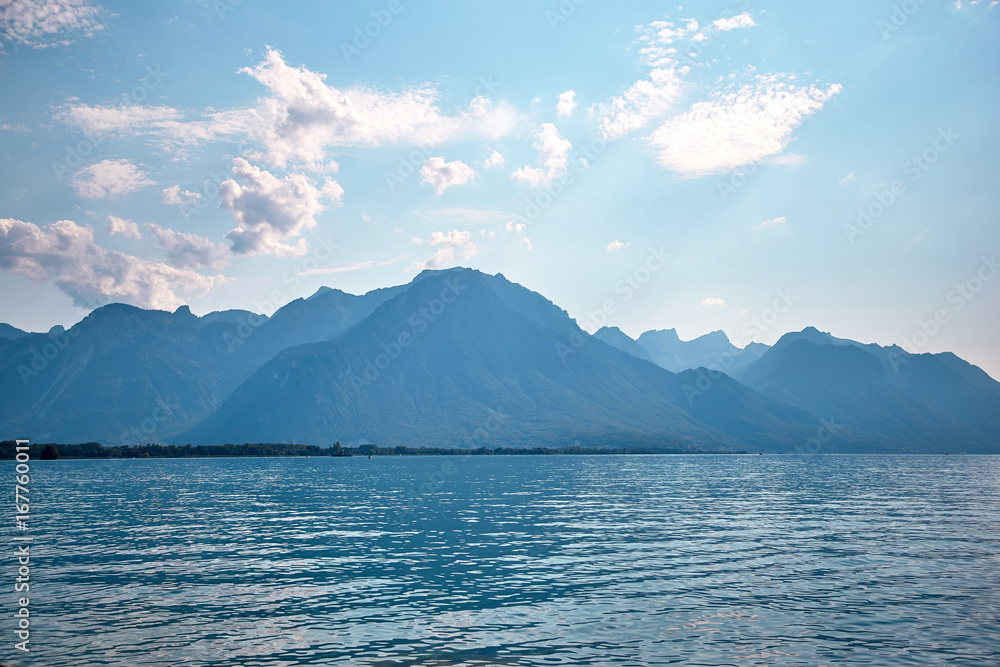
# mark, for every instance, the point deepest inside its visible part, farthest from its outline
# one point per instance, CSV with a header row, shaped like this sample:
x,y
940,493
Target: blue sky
x,y
696,166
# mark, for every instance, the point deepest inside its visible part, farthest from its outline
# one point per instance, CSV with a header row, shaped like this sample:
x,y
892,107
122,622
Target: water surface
x,y
554,560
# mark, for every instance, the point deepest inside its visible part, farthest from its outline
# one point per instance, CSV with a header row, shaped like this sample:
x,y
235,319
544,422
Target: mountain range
x,y
463,358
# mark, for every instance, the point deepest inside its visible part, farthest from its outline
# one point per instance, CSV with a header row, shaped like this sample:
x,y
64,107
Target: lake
x,y
526,560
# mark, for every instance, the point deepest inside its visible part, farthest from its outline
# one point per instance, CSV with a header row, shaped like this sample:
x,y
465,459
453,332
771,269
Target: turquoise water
x,y
601,560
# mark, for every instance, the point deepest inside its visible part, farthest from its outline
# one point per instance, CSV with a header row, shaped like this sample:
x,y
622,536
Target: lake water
x,y
556,560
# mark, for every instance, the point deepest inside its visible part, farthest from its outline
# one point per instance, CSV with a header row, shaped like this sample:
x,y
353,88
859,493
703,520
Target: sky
x,y
754,167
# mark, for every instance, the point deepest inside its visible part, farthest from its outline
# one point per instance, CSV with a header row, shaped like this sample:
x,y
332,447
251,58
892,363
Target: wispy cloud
x,y
773,222
109,179
738,126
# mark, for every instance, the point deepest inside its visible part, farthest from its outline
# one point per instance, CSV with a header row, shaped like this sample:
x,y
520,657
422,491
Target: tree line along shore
x,y
95,450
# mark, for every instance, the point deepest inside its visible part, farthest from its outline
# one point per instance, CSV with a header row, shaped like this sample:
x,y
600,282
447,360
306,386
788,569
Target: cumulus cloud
x,y
566,104
453,248
554,153
850,178
737,127
43,23
65,254
617,245
712,301
494,161
304,115
743,20
174,195
189,251
442,175
109,179
269,210
124,227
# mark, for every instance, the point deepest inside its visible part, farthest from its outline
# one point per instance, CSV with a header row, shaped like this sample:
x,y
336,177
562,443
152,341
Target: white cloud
x,y
516,227
268,210
109,179
174,195
442,175
712,301
643,101
494,161
554,153
124,227
302,118
743,20
44,23
167,125
738,127
850,178
455,247
772,222
617,245
189,251
665,48
65,254
566,104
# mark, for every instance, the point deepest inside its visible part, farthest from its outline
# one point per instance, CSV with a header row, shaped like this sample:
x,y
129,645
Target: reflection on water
x,y
777,560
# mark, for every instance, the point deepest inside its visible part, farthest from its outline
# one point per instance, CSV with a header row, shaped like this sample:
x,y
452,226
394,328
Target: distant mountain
x,y
11,333
884,398
127,373
712,350
463,357
616,338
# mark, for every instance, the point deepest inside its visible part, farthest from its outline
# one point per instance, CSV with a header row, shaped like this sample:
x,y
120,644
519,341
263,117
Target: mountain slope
x,y
496,364
11,333
618,339
885,398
